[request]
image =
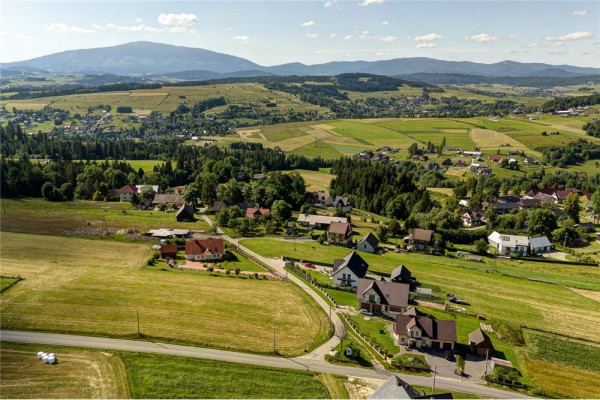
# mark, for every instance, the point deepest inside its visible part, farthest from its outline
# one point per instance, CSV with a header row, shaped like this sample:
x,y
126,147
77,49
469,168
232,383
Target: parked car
x,y
449,356
308,265
365,312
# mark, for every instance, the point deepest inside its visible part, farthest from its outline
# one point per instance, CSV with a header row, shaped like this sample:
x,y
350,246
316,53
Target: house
x,y
340,233
472,217
255,212
347,271
167,233
209,249
368,243
500,363
381,297
451,148
185,213
396,388
472,153
168,250
527,203
509,244
221,205
402,275
343,203
126,192
418,330
322,198
540,245
420,239
528,160
480,343
496,159
318,221
504,208
168,199
145,204
586,226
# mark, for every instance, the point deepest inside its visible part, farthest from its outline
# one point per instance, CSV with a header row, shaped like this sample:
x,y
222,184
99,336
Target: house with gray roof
x,y
402,275
368,243
509,244
382,297
480,343
396,388
348,270
540,245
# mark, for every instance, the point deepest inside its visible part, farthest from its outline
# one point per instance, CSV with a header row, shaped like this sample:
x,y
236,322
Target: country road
x,y
298,363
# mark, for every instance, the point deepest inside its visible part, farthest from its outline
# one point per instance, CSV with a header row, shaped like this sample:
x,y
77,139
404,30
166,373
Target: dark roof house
x,y
480,343
368,243
185,213
401,274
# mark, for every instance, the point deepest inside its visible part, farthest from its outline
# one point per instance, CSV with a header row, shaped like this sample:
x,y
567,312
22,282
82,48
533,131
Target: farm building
x,y
527,203
381,297
348,270
343,203
145,204
168,199
509,244
322,198
368,243
396,388
168,250
418,330
319,221
339,233
480,343
204,249
185,213
168,233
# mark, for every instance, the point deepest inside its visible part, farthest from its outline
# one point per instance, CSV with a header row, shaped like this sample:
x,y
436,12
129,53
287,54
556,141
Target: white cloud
x,y
575,13
63,28
384,23
379,54
139,20
309,23
311,35
387,39
530,45
180,29
557,44
333,35
428,37
134,28
347,37
570,36
242,38
329,4
369,2
177,19
426,45
14,35
364,35
486,38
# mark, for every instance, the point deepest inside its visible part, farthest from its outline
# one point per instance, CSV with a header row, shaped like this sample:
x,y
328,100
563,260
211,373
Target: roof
x,y
424,235
185,210
167,198
529,202
509,240
538,242
168,248
204,246
128,189
478,337
354,262
390,293
501,362
401,272
341,228
394,388
165,233
434,329
342,201
320,219
371,239
255,210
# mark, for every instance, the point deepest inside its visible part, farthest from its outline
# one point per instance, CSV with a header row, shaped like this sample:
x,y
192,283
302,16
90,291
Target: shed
x,y
168,250
480,343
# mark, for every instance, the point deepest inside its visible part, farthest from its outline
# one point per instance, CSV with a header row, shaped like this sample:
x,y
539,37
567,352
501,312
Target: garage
x,y
435,345
447,346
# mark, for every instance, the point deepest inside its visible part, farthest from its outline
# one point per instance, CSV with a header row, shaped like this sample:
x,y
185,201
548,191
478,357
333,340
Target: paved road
x,y
299,363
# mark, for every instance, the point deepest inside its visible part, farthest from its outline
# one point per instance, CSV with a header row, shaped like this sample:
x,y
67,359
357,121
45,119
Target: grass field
x,y
315,180
154,376
78,374
35,215
374,328
509,300
561,381
95,287
6,282
563,351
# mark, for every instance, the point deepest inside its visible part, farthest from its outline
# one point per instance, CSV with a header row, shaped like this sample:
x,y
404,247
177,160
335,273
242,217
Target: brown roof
x,y
252,212
478,337
390,293
168,248
167,198
204,246
530,203
128,189
431,328
341,228
424,235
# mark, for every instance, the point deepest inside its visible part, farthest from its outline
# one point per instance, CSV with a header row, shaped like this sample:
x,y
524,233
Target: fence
x,y
260,263
372,345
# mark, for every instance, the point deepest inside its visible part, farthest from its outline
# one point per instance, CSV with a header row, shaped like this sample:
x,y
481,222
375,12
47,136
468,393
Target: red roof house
x,y
256,212
204,249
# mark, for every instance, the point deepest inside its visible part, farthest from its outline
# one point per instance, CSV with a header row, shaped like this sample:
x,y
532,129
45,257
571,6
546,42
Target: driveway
x,y
445,368
474,368
558,255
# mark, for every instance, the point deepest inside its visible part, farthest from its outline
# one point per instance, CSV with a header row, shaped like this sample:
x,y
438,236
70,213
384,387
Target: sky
x,y
313,32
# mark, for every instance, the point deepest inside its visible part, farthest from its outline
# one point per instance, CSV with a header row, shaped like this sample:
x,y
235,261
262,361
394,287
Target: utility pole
x,y
274,351
433,386
137,311
487,353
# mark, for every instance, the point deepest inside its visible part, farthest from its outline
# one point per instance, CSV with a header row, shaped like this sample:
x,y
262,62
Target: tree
x,y
281,210
541,222
595,205
47,189
237,271
565,235
382,233
440,242
147,193
192,193
68,190
395,228
235,212
481,246
571,206
135,200
490,217
460,190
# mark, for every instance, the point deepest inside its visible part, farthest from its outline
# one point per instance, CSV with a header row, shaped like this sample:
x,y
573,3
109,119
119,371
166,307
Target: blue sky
x,y
277,32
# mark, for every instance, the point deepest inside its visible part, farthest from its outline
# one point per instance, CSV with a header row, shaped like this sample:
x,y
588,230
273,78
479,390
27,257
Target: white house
x,y
368,243
347,271
509,244
540,245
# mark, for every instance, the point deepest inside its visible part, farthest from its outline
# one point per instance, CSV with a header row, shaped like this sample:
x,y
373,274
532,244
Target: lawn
x,y
78,374
6,282
506,300
153,376
94,287
374,328
558,350
343,298
456,395
561,382
316,180
36,215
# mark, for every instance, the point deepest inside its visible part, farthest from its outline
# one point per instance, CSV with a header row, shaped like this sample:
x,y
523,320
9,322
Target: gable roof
x,y
320,219
168,248
394,388
354,262
390,293
542,241
508,240
185,210
401,272
424,235
128,189
167,198
431,328
204,246
478,337
371,239
250,212
341,201
341,228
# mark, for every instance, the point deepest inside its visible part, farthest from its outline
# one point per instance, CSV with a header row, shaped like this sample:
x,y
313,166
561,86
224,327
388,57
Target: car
x,y
311,266
365,312
449,356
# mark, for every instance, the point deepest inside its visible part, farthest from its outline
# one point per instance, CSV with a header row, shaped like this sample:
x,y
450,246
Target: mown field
x,y
507,300
109,374
94,287
36,215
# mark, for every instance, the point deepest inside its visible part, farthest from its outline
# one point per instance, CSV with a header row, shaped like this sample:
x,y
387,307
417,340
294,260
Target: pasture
x,y
316,180
94,287
79,373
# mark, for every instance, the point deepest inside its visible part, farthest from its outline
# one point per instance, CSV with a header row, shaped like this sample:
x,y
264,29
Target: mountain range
x,y
149,58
